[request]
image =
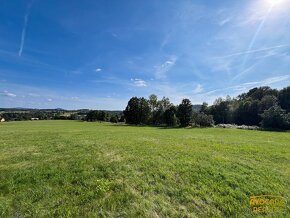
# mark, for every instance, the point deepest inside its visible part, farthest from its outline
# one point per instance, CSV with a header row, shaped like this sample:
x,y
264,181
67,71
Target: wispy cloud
x,y
225,21
8,94
257,10
266,82
33,95
139,82
221,65
113,81
24,28
253,41
165,41
75,98
248,85
198,89
249,69
98,70
49,100
254,51
272,80
161,70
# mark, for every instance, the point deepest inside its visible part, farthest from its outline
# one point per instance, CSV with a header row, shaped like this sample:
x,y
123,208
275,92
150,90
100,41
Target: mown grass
x,y
80,169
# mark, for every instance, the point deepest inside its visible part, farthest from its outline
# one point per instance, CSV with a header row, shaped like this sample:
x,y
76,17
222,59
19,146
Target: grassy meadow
x,y
81,169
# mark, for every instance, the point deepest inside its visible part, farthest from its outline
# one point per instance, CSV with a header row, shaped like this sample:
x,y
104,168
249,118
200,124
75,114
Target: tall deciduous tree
x,y
266,102
220,110
170,116
284,99
131,113
144,111
204,108
153,104
184,112
137,111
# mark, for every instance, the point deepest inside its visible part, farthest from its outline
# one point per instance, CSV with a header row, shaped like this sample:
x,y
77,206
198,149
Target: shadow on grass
x,y
274,130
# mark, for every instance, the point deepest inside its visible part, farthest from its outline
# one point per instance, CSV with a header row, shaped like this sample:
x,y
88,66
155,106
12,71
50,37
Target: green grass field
x,y
80,169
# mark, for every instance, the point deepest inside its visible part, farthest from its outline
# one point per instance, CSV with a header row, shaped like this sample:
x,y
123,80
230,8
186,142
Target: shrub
x,y
202,120
114,119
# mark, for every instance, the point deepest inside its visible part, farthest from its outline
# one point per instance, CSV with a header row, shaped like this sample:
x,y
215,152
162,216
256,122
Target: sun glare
x,y
275,2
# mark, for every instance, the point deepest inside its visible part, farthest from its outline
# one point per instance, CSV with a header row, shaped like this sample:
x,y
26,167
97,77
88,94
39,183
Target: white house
x,y
2,120
34,118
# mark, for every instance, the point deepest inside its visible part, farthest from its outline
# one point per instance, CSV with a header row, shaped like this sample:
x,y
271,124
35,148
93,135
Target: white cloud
x,y
139,82
8,94
161,70
98,70
49,100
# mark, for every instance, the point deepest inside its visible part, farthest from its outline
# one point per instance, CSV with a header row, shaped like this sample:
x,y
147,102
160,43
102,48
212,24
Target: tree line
x,y
21,115
162,112
262,106
51,114
106,116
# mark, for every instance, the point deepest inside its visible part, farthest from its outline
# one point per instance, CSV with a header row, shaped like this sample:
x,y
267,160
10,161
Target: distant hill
x,y
56,109
196,107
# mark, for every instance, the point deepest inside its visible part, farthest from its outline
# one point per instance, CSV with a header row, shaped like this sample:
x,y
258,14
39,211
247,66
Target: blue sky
x,y
97,54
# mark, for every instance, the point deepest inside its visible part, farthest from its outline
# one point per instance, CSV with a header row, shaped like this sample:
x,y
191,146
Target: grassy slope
x,y
67,168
